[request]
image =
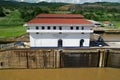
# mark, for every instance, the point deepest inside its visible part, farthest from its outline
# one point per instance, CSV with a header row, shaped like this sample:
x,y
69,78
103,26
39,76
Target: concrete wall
x,y
29,59
111,37
107,35
51,40
52,58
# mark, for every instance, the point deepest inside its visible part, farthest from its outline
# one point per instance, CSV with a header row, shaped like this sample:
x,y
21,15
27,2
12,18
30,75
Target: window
x,y
71,27
60,27
82,28
48,27
82,33
77,27
43,27
37,32
54,27
37,27
60,32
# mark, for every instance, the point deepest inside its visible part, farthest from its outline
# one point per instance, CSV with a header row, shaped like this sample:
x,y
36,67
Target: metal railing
x,y
7,46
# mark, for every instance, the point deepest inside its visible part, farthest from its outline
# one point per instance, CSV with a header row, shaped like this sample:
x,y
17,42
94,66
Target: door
x,y
60,43
81,42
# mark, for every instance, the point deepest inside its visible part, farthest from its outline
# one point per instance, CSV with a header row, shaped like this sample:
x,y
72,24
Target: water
x,y
61,74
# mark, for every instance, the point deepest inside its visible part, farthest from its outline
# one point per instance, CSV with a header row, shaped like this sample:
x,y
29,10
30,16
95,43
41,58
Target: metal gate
x,y
113,59
79,60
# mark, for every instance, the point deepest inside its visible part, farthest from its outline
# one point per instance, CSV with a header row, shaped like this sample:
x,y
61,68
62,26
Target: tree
x,y
2,14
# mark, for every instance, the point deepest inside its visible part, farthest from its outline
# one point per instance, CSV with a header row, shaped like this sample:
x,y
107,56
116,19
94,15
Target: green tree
x,y
2,14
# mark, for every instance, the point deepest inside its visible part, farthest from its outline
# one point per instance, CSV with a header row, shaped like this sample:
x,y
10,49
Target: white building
x,y
59,30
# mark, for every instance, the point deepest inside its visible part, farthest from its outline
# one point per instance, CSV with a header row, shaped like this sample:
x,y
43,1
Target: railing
x,y
11,45
7,46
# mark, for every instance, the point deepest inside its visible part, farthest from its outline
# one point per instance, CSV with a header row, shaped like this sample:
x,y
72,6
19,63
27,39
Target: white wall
x,y
51,40
86,27
42,40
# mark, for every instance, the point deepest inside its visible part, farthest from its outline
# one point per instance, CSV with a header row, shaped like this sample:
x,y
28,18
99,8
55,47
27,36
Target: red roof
x,y
61,15
107,22
59,19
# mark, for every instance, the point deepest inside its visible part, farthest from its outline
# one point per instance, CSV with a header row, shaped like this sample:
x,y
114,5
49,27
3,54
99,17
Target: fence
x,y
13,45
7,46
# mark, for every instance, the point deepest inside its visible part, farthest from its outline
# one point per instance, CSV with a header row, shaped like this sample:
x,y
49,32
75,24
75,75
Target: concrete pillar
x,y
58,59
102,58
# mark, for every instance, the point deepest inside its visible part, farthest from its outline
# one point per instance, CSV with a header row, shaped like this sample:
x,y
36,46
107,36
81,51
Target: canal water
x,y
61,74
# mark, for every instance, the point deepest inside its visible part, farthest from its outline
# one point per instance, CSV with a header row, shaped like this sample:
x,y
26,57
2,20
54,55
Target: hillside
x,y
99,11
14,14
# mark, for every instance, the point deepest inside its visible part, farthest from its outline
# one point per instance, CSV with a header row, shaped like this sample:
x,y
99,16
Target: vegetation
x,y
116,25
11,25
14,14
28,10
99,11
12,31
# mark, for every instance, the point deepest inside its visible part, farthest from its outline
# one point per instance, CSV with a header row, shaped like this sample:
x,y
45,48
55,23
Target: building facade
x,y
59,30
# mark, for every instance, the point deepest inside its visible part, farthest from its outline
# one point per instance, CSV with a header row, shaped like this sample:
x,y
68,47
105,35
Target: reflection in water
x,y
61,74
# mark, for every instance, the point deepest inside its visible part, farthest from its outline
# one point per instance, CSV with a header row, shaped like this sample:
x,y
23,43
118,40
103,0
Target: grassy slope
x,y
11,25
12,32
116,25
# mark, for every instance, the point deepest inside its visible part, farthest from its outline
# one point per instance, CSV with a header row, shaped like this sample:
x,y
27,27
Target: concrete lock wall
x,y
80,60
29,59
56,58
113,58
